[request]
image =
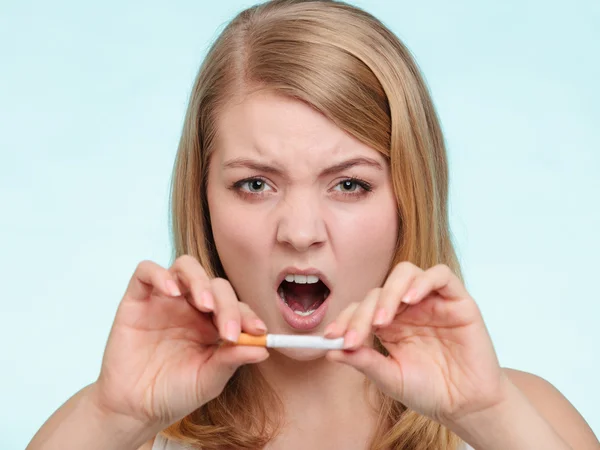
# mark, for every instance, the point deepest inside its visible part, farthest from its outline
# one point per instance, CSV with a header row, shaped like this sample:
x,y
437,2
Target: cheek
x,y
374,240
239,236
366,245
243,246
375,226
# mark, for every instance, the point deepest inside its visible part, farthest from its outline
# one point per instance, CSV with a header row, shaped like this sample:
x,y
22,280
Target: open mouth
x,y
303,294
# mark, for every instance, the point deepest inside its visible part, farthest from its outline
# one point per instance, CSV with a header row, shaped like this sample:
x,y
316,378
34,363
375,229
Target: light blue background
x,y
92,99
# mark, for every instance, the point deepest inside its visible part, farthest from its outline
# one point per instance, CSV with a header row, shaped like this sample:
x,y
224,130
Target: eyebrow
x,y
273,169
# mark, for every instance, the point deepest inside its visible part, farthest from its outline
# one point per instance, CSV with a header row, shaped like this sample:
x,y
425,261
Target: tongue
x,y
303,297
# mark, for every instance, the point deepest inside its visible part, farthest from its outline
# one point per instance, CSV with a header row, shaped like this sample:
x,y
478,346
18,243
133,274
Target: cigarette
x,y
290,341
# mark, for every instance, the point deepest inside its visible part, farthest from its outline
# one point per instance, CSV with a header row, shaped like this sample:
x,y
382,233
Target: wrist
x,y
83,422
131,431
511,422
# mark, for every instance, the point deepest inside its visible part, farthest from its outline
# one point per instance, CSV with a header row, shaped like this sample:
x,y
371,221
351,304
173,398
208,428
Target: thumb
x,y
222,365
377,367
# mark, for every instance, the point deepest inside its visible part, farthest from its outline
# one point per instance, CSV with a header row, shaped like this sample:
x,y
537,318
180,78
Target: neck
x,y
329,399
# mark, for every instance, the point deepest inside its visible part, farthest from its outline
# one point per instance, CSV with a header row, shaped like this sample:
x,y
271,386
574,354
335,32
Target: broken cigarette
x,y
290,341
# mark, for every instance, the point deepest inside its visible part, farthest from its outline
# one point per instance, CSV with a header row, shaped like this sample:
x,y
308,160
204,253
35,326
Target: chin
x,y
300,354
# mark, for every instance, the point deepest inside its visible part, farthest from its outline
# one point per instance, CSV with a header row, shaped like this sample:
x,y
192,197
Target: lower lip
x,y
303,323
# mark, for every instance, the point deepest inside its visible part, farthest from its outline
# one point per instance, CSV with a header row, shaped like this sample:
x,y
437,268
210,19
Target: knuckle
x,y
186,258
442,269
402,270
405,267
219,283
144,265
183,261
178,263
190,266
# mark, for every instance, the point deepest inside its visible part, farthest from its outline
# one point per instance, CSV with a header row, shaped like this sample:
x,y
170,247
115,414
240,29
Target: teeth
x,y
304,313
301,279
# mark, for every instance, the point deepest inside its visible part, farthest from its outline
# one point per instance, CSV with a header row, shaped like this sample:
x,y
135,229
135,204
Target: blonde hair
x,y
347,65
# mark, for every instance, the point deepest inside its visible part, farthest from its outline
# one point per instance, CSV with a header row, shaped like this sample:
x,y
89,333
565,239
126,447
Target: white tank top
x,y
161,443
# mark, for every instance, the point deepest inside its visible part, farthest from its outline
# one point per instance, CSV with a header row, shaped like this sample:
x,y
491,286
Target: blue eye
x,y
252,186
349,185
255,185
353,186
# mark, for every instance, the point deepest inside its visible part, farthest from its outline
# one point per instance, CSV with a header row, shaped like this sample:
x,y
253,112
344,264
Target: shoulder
x,y
555,408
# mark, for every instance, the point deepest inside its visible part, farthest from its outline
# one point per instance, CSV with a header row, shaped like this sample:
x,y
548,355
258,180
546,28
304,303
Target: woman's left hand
x,y
441,361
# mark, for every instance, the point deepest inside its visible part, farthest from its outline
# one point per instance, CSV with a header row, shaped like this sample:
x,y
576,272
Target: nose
x,y
301,224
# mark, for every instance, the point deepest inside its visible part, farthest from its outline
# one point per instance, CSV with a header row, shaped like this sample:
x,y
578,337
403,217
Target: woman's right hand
x,y
162,360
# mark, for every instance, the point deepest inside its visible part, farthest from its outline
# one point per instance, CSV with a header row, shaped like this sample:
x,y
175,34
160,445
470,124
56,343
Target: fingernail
x,y
380,316
350,339
329,330
409,297
260,325
207,300
172,288
232,331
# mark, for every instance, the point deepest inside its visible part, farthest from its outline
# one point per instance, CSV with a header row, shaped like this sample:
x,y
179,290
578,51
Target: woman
x,y
309,196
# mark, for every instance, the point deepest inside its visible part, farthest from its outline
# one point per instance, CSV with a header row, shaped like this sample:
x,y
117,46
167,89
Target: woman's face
x,y
293,199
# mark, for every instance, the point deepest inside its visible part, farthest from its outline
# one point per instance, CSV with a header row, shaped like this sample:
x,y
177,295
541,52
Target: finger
x,y
250,321
393,291
338,327
147,276
439,278
227,309
377,367
193,283
222,365
360,324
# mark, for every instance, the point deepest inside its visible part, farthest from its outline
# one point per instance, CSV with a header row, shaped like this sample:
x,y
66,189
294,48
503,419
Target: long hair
x,y
347,65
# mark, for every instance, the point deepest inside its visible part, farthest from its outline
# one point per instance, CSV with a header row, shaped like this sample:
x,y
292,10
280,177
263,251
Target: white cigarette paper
x,y
294,341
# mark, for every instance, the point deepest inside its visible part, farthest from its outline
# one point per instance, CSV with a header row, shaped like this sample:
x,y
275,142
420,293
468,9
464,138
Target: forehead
x,y
273,127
